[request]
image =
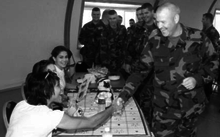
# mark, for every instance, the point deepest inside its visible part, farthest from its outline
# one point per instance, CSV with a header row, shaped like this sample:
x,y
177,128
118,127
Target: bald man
x,y
182,61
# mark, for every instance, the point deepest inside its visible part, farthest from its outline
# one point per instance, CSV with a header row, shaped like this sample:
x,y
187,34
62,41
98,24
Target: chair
x,y
7,110
81,67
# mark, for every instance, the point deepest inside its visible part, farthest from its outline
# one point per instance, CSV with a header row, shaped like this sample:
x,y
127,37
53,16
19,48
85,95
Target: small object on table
x,y
107,133
114,77
104,90
83,87
99,72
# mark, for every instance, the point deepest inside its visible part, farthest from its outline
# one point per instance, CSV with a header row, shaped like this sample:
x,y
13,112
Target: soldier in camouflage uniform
x,y
89,37
113,44
210,31
137,39
182,61
134,38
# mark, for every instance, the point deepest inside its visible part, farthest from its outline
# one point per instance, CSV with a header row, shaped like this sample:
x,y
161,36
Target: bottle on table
x,y
107,133
101,103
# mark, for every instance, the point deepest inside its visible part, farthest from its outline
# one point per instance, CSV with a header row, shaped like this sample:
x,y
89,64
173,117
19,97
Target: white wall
x,y
29,29
74,30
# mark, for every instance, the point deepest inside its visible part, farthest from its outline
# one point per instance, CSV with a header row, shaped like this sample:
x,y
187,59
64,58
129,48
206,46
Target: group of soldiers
x,y
108,43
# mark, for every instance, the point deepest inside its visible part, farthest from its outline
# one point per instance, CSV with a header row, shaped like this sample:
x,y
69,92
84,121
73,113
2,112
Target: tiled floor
x,y
210,119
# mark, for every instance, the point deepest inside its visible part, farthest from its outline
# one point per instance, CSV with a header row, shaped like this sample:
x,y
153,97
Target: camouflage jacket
x,y
136,40
90,37
213,35
191,57
112,47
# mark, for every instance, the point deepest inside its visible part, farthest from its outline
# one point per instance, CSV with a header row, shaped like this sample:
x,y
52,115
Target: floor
x,y
209,125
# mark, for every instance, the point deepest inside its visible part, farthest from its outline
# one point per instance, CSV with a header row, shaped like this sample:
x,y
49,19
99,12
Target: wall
x,y
29,31
75,29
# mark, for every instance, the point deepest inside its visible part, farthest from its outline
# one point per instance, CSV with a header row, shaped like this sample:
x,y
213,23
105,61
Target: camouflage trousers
x,y
184,127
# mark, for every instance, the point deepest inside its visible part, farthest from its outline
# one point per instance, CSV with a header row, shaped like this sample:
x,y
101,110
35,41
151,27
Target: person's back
x,y
33,121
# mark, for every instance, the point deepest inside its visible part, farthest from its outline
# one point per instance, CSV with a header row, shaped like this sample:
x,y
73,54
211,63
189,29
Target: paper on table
x,y
83,87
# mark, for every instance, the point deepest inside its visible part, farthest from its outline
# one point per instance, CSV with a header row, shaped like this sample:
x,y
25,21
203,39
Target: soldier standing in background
x,y
113,44
89,37
137,40
210,31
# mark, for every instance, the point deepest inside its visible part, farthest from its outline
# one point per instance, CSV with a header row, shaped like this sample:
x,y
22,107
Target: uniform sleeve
x,y
140,71
209,64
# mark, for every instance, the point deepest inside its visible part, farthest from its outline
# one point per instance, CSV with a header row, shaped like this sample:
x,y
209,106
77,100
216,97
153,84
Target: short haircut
x,y
41,66
96,9
40,87
209,16
120,16
112,12
131,20
170,6
147,6
139,8
105,13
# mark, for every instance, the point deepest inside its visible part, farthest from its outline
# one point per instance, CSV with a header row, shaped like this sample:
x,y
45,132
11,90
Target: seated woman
x,y
60,56
45,66
39,67
33,117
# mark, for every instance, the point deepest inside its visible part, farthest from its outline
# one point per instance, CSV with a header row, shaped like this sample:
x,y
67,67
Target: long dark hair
x,y
56,51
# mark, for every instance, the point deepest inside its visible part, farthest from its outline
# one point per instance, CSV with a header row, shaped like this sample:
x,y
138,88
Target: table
x,y
116,84
130,124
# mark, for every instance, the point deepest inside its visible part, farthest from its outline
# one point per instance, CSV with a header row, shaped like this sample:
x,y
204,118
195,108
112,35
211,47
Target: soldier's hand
x,y
189,83
127,68
118,104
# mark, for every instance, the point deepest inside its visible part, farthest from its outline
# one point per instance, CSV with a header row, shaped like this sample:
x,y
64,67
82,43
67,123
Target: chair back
x,y
7,111
81,67
69,70
23,91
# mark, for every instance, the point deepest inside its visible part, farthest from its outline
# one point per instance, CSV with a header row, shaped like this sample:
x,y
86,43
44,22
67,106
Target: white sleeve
x,y
51,119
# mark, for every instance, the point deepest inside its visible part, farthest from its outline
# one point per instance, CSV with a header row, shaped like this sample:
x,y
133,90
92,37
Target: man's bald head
x,y
167,18
172,8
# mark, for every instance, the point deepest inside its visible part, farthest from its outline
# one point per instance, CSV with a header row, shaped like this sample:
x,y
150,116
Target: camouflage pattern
x,y
192,56
213,35
90,37
137,39
186,126
112,48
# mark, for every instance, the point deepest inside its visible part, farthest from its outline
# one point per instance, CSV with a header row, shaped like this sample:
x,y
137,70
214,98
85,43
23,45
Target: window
x,y
216,21
127,11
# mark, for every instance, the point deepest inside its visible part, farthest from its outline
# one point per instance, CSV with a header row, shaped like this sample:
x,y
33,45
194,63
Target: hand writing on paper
x,y
189,83
118,105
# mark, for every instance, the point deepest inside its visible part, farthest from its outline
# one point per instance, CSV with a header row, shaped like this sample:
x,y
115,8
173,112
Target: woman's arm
x,y
69,122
